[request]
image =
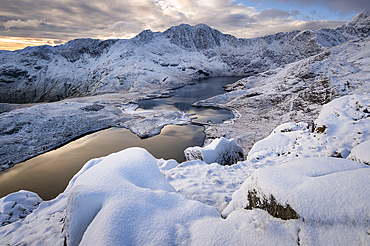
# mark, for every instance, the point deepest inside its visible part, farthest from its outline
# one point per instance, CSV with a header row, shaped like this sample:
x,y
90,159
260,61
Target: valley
x,y
301,116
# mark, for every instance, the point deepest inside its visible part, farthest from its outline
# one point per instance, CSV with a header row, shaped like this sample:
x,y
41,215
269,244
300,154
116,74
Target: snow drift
x,y
298,194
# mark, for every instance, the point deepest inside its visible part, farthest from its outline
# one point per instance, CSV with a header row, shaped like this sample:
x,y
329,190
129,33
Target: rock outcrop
x,y
221,151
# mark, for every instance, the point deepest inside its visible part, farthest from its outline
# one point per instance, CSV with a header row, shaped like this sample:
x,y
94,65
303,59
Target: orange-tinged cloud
x,y
16,43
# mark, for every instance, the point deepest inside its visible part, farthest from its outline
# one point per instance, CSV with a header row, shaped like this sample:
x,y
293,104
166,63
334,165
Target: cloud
x,y
70,19
121,28
15,43
267,14
20,24
341,5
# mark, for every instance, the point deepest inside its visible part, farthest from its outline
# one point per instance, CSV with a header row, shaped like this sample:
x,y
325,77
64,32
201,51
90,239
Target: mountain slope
x,y
156,61
292,93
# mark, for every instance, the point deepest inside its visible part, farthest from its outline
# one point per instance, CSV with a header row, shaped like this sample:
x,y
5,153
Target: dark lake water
x,y
184,97
48,174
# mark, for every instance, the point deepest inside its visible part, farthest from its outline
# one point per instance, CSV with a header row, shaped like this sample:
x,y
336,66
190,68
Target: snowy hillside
x,y
288,192
294,92
156,61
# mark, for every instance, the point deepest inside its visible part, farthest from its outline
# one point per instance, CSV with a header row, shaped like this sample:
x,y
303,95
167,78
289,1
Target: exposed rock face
x,y
271,206
156,60
221,151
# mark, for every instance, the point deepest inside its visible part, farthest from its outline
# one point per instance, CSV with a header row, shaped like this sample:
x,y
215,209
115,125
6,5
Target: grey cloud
x,y
317,25
341,5
20,23
70,19
123,26
276,13
64,19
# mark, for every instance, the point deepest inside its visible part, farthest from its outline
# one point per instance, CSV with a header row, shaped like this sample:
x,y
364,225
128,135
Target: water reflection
x,y
184,97
48,174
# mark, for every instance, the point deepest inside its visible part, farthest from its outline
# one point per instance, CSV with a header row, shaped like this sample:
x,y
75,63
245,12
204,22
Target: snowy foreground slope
x,y
288,192
156,61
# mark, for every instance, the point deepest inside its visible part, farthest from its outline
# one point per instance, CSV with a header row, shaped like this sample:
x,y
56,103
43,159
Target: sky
x,y
38,22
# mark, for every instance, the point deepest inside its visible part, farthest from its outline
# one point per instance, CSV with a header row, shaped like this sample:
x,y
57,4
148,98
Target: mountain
x,y
156,60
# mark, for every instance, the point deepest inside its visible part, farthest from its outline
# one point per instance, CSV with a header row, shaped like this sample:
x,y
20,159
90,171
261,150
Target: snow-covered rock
x,y
322,201
16,206
222,151
320,190
156,60
119,198
328,193
341,125
361,153
126,193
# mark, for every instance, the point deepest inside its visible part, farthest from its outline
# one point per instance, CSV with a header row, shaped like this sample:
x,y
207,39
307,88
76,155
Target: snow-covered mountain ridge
x,y
156,61
295,92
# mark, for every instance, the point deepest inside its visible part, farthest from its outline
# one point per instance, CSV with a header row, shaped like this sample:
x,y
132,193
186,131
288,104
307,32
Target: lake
x,y
184,97
48,174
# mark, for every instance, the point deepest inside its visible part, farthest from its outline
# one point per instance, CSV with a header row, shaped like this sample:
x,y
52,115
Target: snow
x,y
156,61
128,184
18,205
42,127
329,195
302,183
360,153
222,151
132,197
212,184
245,227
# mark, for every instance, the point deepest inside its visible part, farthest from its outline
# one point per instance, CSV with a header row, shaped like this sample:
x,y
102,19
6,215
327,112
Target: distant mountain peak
x,y
361,18
199,36
360,25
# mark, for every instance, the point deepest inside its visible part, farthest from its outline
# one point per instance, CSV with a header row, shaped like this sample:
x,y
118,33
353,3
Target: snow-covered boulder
x,y
320,191
17,206
291,127
280,142
222,151
361,153
125,198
